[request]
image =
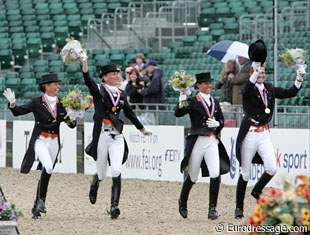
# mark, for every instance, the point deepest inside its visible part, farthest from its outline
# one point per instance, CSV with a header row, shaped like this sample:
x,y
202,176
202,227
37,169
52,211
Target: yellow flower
x,y
305,214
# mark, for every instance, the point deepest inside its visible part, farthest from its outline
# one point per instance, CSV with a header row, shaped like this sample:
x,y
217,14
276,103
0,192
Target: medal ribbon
x,y
49,107
204,104
263,95
115,102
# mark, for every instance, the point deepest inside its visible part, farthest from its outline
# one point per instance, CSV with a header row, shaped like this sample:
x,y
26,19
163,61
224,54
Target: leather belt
x,y
109,129
47,135
259,128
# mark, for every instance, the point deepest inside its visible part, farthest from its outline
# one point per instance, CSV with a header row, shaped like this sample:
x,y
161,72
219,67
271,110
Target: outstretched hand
x,y
146,132
9,95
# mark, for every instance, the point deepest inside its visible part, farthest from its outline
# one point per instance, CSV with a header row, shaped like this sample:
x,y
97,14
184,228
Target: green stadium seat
x,y
61,36
27,23
48,41
28,81
101,60
75,29
53,56
34,47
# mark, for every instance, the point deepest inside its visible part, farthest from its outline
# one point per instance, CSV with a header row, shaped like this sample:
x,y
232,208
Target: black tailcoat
x,y
254,108
44,121
198,118
103,109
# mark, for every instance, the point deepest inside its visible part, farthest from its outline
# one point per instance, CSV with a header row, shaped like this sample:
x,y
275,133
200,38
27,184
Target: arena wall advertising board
x,y
66,163
2,143
291,148
155,157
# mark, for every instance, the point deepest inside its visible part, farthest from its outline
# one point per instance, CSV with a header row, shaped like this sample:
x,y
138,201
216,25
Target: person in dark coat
x,y
153,91
108,143
203,148
134,84
45,140
253,141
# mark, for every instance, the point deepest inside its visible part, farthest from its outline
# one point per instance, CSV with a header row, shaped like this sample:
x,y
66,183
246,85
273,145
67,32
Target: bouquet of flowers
x,y
72,52
76,103
294,58
285,208
8,211
183,82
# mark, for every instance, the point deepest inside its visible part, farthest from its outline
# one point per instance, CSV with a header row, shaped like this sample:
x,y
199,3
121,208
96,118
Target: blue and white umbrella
x,y
225,50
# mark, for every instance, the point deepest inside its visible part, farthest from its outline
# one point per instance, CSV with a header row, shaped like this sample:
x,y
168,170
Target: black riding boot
x,y
93,189
213,195
258,188
240,193
115,195
39,204
186,188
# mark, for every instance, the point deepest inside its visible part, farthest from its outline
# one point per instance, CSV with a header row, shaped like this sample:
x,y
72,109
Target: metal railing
x,y
297,117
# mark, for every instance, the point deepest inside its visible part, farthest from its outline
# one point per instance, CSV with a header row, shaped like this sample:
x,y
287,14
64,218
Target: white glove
x,y
256,66
146,132
212,123
181,99
83,55
301,72
9,95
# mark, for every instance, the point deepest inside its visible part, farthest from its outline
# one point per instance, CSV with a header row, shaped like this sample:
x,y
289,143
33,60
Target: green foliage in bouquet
x,y
8,211
75,100
294,57
181,80
284,208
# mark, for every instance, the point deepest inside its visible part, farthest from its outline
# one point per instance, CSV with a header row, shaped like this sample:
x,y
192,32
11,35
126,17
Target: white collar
x,y
114,89
51,99
205,96
260,86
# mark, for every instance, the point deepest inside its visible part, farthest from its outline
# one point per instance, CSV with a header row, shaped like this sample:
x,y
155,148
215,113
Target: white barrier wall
x,y
66,163
155,157
159,157
291,148
2,143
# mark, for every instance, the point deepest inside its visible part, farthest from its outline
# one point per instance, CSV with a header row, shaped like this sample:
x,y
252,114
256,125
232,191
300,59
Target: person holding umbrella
x,y
203,148
253,140
45,140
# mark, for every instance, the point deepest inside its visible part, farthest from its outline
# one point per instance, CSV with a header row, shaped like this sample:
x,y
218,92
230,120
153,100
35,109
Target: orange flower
x,y
275,192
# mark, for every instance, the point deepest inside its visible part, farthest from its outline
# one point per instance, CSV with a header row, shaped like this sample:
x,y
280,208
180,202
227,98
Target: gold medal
x,y
267,110
113,109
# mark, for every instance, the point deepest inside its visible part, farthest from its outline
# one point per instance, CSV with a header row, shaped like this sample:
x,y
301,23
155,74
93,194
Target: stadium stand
x,y
32,32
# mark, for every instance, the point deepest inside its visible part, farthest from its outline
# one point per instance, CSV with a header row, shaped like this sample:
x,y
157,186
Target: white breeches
x,y
46,150
112,147
257,142
205,148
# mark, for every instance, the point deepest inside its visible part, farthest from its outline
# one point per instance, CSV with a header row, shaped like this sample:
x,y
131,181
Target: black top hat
x,y
48,78
107,69
258,51
203,77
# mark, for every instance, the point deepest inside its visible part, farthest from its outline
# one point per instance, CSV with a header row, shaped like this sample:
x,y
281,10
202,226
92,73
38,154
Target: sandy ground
x,y
147,207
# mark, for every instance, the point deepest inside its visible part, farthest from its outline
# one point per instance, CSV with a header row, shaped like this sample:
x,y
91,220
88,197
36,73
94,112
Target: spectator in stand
x,y
240,79
153,91
134,83
132,62
229,72
140,62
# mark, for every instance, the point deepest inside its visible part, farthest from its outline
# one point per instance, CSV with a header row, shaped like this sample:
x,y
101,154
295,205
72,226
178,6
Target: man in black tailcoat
x,y
253,140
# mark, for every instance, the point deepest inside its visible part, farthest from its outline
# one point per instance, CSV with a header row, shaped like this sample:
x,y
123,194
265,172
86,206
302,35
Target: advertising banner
x,y
66,162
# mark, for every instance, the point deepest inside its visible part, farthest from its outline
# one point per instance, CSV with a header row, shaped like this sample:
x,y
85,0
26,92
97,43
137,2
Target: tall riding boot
x,y
39,205
115,195
186,188
94,189
258,188
213,195
240,193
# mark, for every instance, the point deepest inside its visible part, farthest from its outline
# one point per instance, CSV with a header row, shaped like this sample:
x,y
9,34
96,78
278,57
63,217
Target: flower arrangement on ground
x,y
8,211
294,58
72,52
76,103
284,208
183,82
